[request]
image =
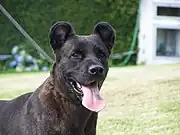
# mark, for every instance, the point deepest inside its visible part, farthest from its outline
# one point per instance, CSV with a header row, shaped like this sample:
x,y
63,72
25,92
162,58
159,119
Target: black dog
x,y
68,102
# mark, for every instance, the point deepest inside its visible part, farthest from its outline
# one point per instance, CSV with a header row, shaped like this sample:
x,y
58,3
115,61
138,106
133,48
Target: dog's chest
x,y
65,129
73,123
69,131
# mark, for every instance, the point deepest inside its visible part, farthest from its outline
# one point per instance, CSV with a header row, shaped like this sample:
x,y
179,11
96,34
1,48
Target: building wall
x,y
145,32
149,22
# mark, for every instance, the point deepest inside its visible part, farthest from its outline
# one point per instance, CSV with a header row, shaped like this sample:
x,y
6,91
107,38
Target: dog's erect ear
x,y
59,33
106,33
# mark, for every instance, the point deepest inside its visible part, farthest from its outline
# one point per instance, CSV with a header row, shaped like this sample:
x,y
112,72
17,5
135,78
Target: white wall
x,y
149,23
145,33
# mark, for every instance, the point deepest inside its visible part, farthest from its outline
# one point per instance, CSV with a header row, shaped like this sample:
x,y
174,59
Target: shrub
x,y
37,16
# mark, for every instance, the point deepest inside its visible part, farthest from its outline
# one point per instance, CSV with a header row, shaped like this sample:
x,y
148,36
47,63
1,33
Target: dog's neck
x,y
57,103
52,91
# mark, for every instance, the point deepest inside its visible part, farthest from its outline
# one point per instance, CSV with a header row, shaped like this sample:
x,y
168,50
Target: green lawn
x,y
142,100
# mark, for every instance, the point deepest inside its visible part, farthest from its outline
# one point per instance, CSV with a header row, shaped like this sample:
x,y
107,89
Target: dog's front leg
x,y
90,128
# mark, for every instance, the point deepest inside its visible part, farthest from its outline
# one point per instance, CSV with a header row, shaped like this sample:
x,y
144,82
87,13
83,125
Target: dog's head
x,y
81,63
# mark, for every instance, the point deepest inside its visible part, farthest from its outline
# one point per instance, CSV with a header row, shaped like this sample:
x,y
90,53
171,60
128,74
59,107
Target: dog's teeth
x,y
78,91
78,85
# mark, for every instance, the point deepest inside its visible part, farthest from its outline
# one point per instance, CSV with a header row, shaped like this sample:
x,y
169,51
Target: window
x,y
168,11
168,42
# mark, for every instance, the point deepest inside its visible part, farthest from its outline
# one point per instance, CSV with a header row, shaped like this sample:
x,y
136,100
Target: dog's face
x,y
82,61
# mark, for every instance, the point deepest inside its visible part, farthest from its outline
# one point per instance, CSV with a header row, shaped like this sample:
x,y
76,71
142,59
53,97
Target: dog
x,y
68,101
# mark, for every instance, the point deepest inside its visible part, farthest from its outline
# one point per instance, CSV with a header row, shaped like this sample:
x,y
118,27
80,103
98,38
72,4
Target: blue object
x,y
18,58
12,64
44,68
29,58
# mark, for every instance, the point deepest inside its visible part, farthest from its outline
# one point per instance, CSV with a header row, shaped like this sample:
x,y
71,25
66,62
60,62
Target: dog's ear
x,y
59,33
106,33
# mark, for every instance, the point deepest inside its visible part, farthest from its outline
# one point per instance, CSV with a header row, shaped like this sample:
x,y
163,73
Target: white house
x,y
159,34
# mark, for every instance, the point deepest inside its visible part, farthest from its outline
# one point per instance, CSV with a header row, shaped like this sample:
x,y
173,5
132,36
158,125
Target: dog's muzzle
x,y
89,94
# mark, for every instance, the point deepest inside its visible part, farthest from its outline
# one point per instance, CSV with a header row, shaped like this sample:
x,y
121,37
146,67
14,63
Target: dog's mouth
x,y
76,86
89,93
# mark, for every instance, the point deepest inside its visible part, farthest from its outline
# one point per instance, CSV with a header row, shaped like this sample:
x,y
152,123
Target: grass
x,y
159,122
142,100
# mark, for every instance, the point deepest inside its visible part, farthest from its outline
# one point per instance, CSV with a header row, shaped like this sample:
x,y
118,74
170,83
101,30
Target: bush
x,y
37,16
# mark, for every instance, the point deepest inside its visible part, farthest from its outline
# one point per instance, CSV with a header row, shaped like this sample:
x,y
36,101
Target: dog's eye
x,y
101,53
77,55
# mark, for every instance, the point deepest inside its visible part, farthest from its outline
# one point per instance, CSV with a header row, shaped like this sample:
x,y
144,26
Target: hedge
x,y
37,16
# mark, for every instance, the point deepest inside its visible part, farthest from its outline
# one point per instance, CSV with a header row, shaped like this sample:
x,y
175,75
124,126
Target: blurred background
x,y
37,16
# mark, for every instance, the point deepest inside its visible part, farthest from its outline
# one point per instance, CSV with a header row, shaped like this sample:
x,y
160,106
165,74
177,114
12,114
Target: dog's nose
x,y
96,70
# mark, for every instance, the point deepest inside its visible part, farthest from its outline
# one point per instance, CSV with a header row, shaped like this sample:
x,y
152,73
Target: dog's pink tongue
x,y
92,99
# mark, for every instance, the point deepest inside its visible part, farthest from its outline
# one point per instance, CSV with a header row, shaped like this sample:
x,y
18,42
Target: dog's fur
x,y
55,107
